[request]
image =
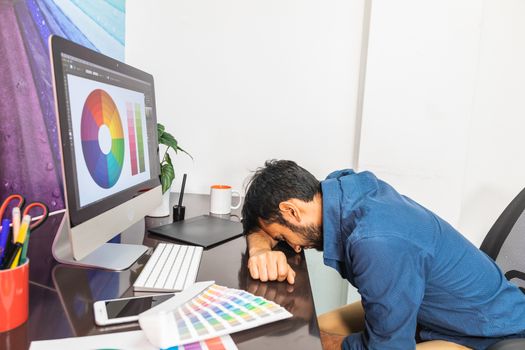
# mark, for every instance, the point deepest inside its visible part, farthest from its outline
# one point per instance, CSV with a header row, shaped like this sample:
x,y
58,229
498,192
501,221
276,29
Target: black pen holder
x,y
178,212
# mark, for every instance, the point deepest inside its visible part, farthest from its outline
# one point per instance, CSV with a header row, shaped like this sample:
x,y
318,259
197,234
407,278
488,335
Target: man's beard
x,y
313,235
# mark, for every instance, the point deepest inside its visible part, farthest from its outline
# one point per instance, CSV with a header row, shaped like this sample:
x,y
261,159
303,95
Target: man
x,y
418,277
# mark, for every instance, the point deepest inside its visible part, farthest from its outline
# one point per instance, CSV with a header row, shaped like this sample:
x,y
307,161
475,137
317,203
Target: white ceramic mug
x,y
221,199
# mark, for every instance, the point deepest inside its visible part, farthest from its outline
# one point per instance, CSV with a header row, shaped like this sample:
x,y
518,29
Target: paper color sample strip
x,y
134,340
214,312
219,343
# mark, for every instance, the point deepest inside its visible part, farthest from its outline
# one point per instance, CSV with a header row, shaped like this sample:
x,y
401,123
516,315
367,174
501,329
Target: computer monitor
x,y
110,164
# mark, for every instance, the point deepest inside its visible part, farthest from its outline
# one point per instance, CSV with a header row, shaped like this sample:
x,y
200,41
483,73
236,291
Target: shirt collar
x,y
342,190
331,189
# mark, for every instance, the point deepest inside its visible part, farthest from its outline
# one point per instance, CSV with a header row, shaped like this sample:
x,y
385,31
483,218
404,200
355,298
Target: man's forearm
x,y
264,263
259,241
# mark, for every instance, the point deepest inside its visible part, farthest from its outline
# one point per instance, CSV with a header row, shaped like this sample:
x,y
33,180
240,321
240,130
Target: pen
x,y
25,246
23,229
22,235
16,222
10,247
10,261
4,236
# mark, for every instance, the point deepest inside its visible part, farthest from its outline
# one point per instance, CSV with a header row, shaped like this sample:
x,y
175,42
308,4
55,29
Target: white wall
x,y
495,171
419,89
239,82
443,104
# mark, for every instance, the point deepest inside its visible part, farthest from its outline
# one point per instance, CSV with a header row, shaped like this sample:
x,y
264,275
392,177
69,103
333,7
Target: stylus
x,y
182,189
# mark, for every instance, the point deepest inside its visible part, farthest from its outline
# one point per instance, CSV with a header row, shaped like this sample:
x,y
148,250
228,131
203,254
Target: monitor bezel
x,y
77,214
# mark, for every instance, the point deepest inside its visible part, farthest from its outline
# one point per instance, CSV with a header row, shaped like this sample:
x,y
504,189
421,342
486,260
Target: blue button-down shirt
x,y
411,267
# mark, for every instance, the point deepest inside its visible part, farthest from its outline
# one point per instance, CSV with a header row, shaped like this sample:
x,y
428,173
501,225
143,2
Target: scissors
x,y
38,220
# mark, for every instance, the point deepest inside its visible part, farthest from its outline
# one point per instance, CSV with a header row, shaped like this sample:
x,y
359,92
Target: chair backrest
x,y
505,242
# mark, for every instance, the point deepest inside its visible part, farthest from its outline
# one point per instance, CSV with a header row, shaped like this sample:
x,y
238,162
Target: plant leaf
x,y
184,151
160,130
167,139
167,174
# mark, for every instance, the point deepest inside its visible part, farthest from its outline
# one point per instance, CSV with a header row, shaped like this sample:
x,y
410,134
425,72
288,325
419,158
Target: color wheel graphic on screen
x,y
102,138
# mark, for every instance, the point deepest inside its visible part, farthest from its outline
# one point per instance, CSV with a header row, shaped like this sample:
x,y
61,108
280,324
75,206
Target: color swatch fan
x,y
102,138
204,311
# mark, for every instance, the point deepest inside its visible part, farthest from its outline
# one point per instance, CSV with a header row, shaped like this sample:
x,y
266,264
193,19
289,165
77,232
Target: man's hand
x,y
331,341
269,265
265,264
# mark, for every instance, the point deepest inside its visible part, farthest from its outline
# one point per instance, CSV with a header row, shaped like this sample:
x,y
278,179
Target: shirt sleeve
x,y
389,272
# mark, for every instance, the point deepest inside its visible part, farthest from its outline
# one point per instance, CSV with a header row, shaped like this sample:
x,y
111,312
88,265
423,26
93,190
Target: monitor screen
x,y
109,141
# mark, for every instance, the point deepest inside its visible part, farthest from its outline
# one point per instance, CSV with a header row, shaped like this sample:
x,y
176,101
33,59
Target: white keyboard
x,y
171,268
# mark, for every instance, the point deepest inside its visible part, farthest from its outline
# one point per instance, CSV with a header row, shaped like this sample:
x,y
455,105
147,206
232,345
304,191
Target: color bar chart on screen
x,y
136,138
140,138
219,343
132,138
213,312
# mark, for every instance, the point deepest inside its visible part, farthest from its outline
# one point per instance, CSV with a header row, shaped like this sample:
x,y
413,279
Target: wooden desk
x,y
61,296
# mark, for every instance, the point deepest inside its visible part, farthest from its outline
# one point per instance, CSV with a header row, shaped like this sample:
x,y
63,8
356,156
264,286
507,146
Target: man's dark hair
x,y
276,182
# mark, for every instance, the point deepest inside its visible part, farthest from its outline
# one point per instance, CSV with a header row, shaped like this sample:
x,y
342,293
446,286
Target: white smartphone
x,y
124,310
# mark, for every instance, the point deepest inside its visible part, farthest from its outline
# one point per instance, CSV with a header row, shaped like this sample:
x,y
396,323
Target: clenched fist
x,y
269,265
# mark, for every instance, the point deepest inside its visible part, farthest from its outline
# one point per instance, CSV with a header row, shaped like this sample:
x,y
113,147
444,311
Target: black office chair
x,y
505,244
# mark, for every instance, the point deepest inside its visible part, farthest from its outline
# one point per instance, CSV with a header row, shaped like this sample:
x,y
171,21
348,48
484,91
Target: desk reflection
x,y
78,288
297,298
15,339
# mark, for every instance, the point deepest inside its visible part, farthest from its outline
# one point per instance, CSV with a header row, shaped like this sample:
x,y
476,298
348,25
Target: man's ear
x,y
290,212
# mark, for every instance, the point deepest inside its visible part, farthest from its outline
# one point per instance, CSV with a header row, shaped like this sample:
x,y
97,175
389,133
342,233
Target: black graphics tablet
x,y
205,231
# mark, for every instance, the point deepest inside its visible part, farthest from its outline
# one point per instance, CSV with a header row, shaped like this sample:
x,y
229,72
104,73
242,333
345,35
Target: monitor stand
x,y
109,256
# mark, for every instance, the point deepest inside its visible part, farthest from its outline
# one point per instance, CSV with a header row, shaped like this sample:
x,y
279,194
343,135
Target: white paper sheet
x,y
133,340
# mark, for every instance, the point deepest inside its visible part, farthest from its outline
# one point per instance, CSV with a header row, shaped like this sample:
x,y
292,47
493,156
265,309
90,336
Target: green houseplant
x,y
167,172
